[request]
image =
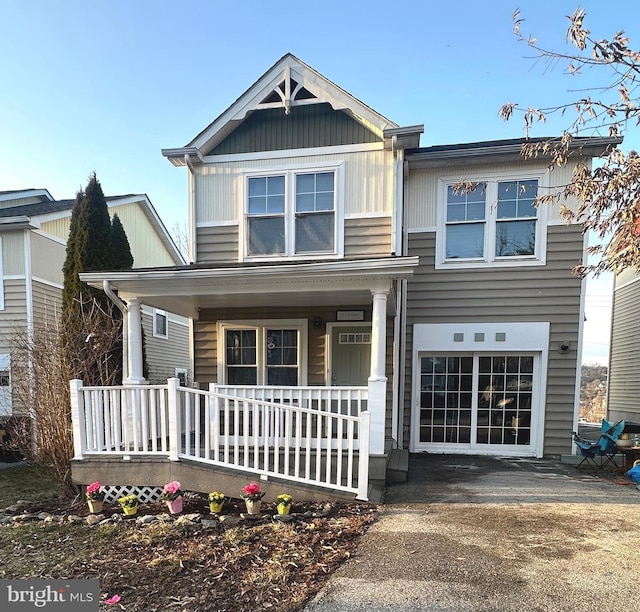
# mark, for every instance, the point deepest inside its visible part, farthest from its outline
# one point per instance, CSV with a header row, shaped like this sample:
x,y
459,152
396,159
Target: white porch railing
x,y
311,435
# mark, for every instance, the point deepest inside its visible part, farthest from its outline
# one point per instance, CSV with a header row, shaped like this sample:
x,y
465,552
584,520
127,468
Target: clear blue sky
x,y
103,86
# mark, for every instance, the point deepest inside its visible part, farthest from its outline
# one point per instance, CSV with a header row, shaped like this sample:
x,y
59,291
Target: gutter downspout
x,y
398,332
106,287
191,209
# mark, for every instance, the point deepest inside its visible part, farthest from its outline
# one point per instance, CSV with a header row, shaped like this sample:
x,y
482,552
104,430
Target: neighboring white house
x,y
330,251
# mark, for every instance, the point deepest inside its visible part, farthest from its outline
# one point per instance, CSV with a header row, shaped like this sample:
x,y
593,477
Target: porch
x,y
313,440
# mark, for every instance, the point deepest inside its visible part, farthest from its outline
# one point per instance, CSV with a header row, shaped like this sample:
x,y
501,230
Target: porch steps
x,y
397,466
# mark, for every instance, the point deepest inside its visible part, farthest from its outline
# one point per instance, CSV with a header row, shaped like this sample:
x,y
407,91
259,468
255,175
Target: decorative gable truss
x,y
288,84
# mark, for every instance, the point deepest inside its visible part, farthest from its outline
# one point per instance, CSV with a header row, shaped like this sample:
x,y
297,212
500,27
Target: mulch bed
x,y
234,565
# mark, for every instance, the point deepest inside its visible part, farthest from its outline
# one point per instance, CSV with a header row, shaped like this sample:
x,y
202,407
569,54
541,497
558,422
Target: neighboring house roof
x,y
34,214
289,82
16,194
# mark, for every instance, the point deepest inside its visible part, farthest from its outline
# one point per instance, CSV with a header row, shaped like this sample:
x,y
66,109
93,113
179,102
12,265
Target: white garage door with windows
x,y
479,388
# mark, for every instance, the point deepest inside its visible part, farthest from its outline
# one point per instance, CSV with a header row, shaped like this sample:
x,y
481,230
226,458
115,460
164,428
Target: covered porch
x,y
315,433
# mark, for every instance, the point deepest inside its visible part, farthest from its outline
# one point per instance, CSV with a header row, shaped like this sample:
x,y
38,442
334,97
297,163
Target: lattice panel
x,y
146,495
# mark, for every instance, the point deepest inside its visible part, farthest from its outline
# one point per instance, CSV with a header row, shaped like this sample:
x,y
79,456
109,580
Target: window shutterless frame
x,y
295,212
270,352
160,324
492,222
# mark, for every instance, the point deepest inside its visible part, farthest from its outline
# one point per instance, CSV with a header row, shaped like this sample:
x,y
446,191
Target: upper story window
x,y
160,324
491,222
293,213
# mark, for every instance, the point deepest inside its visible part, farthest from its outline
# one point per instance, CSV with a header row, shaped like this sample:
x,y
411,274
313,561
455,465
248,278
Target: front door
x,y
350,355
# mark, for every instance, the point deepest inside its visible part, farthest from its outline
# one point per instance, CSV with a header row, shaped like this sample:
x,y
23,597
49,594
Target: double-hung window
x,y
269,354
491,222
160,324
294,213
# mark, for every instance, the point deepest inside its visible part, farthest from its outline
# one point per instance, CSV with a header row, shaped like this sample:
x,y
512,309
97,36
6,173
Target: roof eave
x,y
177,155
388,267
502,152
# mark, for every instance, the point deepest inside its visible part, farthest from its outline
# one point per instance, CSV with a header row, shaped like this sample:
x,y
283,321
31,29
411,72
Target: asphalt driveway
x,y
496,534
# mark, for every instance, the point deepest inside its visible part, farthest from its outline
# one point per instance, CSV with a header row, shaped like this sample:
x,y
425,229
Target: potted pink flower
x,y
252,496
95,497
172,495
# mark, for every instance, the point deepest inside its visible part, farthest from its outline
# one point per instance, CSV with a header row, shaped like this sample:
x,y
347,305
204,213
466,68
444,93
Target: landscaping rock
x,y
94,519
74,518
25,518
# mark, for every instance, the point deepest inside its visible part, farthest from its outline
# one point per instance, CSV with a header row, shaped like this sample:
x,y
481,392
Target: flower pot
x,y
283,508
253,507
95,505
175,505
130,511
216,506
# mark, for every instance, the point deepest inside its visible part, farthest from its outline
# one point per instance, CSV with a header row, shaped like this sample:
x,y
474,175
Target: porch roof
x,y
185,290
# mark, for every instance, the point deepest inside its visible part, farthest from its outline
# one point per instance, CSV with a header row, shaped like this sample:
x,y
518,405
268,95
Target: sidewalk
x,y
486,534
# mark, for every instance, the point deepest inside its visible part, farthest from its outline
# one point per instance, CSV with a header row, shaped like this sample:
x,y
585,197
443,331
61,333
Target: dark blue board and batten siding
x,y
315,125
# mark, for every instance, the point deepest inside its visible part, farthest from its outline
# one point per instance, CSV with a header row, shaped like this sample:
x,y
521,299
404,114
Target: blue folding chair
x,y
603,452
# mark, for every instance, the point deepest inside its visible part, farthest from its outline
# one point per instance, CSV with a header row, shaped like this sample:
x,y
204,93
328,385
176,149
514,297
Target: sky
x,y
104,86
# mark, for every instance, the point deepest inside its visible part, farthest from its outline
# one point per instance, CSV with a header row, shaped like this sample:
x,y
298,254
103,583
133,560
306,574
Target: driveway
x,y
496,534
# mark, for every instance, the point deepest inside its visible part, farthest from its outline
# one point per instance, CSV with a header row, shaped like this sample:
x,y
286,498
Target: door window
x,y
476,399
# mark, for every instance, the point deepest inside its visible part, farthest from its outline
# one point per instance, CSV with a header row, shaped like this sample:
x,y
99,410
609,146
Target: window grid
x,y
354,338
486,222
505,386
502,402
293,213
259,355
160,324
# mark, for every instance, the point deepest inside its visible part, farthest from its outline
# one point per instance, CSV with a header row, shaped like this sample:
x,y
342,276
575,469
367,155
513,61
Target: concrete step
x,y
398,466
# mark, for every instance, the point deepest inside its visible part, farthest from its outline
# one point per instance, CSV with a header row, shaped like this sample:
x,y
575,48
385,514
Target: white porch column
x,y
377,378
134,333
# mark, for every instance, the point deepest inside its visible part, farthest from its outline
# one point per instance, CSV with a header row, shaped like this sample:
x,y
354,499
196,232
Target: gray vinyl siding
x,y
624,364
217,244
23,201
537,294
164,355
13,252
13,318
204,351
363,237
47,258
314,125
367,236
47,302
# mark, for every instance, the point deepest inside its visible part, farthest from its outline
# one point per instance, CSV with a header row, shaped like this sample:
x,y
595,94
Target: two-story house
x,y
33,234
353,293
624,372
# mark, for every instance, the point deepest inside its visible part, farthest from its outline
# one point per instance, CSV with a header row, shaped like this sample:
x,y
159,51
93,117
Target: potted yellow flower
x,y
216,501
283,503
129,504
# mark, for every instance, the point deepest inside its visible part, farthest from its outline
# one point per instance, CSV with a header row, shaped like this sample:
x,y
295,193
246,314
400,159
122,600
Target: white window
x,y
5,385
181,375
272,353
491,222
160,324
295,213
